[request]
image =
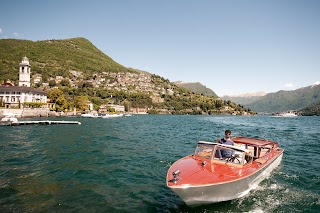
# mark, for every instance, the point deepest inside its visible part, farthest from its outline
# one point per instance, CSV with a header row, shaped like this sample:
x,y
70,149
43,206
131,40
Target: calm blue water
x,y
120,164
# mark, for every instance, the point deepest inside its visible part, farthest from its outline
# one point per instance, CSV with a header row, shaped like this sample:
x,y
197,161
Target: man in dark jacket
x,y
227,141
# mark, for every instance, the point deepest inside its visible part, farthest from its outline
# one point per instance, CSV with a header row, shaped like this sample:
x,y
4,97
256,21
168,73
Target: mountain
x,y
287,100
74,72
245,99
313,109
197,88
54,57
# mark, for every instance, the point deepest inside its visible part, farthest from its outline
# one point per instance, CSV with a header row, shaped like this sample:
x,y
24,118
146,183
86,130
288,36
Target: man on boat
x,y
227,141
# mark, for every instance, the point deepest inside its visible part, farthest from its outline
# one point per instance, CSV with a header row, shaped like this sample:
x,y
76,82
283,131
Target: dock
x,y
44,122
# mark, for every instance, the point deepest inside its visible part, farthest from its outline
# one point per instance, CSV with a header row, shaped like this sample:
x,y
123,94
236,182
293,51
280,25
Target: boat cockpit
x,y
243,152
222,154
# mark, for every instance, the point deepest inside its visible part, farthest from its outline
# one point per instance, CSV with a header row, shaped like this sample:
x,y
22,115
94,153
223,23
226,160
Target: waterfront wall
x,y
27,112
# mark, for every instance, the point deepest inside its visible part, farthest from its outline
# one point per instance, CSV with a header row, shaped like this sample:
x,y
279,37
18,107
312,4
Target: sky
x,y
231,47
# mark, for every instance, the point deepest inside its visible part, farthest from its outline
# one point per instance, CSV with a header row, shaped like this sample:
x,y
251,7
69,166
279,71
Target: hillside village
x,y
122,81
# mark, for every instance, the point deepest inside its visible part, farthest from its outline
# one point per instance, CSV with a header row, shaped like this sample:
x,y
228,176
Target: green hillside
x,y
197,88
287,100
90,75
54,57
313,109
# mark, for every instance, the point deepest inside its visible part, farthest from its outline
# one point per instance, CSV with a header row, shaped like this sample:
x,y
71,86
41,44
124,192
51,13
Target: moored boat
x,y
8,120
288,114
112,115
208,177
90,115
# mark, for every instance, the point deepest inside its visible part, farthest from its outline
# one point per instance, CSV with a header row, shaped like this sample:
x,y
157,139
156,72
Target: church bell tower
x,y
24,72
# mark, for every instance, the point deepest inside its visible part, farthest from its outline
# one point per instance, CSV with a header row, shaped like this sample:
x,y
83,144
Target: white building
x,y
14,96
24,72
104,108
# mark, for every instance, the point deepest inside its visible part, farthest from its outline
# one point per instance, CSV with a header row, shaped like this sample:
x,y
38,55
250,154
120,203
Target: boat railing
x,y
225,145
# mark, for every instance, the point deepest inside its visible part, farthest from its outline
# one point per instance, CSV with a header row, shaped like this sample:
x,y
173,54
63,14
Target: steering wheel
x,y
233,159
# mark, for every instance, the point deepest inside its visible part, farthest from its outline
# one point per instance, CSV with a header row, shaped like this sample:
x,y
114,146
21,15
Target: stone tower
x,y
24,72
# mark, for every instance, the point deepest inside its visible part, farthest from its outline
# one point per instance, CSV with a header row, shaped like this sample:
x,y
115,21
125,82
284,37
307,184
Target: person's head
x,y
227,133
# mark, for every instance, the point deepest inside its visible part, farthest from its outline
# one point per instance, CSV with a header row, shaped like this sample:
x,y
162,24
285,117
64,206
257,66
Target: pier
x,y
44,122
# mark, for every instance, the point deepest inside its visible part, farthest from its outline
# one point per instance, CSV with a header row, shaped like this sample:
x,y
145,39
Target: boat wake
x,y
277,197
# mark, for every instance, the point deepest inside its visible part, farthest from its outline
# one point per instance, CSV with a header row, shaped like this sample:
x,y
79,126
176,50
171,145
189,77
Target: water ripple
x,y
120,165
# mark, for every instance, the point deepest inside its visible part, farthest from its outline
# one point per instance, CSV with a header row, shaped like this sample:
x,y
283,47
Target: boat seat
x,y
218,154
261,160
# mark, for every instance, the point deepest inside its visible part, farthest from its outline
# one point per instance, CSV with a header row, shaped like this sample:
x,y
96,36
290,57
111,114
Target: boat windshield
x,y
204,150
222,153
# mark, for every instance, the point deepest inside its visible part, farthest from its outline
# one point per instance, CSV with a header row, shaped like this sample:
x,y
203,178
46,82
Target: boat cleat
x,y
176,176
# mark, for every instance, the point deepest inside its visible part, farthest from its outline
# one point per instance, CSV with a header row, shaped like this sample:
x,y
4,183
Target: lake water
x,y
120,164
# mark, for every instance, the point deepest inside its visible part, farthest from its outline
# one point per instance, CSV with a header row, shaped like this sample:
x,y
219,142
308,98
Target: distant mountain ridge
x,y
281,101
197,88
255,94
245,99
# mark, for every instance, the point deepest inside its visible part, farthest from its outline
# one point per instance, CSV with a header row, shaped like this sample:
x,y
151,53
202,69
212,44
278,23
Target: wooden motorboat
x,y
208,177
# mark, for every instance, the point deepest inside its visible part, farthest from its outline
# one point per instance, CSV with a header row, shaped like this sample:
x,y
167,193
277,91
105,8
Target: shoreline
x,y
32,113
41,112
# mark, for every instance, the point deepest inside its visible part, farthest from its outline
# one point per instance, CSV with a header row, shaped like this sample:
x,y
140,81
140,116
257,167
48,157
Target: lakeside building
x,y
104,108
12,96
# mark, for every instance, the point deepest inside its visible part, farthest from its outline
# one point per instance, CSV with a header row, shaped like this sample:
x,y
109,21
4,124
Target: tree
x,y
52,83
81,103
56,96
65,82
218,103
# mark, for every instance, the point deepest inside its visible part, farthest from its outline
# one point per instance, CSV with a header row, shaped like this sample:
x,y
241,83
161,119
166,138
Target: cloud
x,y
288,85
0,30
16,34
